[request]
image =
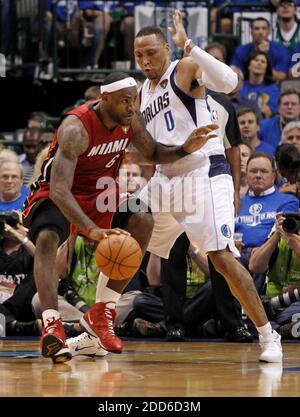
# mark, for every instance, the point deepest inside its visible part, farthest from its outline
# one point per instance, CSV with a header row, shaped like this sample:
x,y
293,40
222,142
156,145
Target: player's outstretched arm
x,y
211,73
73,141
158,153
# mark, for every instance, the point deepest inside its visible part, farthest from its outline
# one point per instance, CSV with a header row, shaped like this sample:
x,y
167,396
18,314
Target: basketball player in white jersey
x,y
173,103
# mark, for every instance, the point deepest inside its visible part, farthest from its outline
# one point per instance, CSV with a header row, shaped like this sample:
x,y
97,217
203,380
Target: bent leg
x,y
241,285
44,272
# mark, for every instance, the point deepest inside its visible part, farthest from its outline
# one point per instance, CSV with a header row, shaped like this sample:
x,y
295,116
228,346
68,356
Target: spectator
x,y
217,50
291,134
287,27
249,127
16,281
130,178
259,85
245,151
260,205
279,256
288,109
12,195
279,55
31,140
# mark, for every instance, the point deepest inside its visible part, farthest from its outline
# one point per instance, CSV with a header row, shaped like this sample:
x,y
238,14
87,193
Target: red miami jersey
x,y
94,168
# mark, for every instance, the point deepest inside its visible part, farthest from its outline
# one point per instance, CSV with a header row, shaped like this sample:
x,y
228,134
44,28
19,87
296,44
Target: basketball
x,y
118,256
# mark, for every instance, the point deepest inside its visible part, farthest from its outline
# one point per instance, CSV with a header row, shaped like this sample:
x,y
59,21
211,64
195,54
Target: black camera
x,y
8,217
291,223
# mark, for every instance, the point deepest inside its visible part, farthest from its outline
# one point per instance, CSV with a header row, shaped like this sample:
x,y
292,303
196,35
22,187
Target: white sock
x,y
110,297
101,284
265,330
50,314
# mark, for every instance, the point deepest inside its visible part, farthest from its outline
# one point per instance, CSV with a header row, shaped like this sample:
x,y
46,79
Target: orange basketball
x,y
118,256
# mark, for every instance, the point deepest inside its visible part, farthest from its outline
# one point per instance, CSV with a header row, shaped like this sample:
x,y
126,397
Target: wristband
x,y
186,44
89,229
25,240
181,152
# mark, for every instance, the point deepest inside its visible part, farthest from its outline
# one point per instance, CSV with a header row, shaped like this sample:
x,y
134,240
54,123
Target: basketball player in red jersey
x,y
88,146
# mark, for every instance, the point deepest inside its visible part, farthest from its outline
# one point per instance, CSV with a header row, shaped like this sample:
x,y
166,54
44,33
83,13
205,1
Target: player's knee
x,y
47,239
143,221
220,261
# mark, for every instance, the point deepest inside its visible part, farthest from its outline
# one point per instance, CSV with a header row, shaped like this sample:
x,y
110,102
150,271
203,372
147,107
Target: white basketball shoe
x,y
85,345
271,348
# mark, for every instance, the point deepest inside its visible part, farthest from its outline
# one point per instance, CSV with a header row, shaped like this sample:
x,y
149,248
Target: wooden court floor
x,y
151,368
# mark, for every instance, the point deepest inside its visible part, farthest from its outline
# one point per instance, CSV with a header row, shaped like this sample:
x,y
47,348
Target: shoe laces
x,y
110,324
51,324
273,344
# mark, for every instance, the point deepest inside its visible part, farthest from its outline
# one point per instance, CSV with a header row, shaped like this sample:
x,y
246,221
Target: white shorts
x,y
198,203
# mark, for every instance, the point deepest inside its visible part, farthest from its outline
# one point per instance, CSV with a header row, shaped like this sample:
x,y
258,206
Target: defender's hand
x,y
178,33
199,137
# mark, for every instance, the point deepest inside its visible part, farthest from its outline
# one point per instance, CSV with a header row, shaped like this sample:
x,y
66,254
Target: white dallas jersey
x,y
171,116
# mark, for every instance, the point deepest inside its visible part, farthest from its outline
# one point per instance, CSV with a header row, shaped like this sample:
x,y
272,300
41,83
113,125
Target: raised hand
x,y
199,137
178,32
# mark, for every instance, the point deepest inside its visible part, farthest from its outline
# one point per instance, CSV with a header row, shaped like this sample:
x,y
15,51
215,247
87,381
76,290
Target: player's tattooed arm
x,y
159,153
73,141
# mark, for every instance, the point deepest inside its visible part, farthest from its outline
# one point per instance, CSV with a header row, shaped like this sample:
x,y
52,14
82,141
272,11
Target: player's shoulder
x,y
186,62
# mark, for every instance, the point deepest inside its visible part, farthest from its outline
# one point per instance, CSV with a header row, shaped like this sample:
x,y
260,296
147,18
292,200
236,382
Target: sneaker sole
x,y
64,355
276,360
51,346
90,331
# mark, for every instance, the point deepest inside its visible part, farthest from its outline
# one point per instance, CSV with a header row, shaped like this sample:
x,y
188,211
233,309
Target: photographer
x,y
16,278
280,257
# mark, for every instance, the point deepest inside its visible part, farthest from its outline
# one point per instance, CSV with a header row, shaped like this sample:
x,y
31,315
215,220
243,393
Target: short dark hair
x,y
114,76
287,156
259,19
152,30
216,45
287,92
246,110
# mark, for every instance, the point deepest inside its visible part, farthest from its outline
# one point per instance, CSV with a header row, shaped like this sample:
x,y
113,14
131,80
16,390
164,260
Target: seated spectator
x,y
287,26
12,194
291,134
259,85
249,127
16,281
279,55
289,111
217,50
279,256
92,93
131,178
37,120
260,205
245,152
31,140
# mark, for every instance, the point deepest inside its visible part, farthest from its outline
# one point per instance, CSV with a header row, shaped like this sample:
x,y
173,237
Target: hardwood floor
x,y
147,368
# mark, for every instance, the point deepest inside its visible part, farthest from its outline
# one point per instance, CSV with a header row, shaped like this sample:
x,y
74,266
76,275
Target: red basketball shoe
x,y
99,322
53,340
